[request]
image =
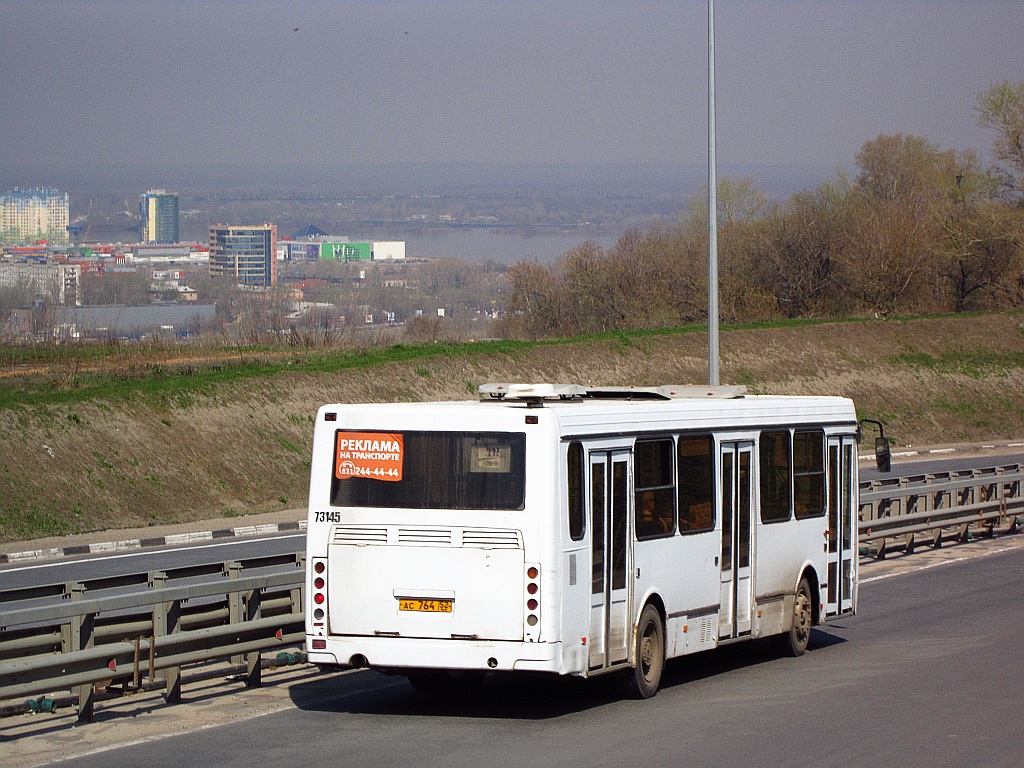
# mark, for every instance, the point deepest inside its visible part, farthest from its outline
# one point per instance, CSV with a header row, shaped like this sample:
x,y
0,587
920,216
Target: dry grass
x,y
245,448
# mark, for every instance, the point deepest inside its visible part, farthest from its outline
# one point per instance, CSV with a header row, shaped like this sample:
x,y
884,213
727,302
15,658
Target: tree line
x,y
917,229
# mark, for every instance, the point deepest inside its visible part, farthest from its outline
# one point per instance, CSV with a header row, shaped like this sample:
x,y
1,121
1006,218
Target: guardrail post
x,y
1011,491
166,621
253,610
939,500
77,635
236,606
988,493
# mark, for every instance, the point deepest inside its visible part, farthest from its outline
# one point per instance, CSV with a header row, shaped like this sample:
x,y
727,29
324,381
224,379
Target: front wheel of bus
x,y
794,642
644,678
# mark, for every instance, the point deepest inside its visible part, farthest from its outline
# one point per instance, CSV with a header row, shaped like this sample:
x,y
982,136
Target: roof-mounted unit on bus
x,y
531,392
669,392
535,393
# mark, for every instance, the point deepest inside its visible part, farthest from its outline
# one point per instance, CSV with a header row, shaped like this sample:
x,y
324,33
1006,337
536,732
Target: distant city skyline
x,y
110,84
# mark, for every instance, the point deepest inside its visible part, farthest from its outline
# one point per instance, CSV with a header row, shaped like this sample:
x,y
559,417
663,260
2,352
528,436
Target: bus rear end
x,y
421,553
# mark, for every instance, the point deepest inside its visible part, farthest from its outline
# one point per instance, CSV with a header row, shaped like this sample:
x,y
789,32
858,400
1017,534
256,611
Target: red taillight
x,y
318,583
319,598
532,617
319,566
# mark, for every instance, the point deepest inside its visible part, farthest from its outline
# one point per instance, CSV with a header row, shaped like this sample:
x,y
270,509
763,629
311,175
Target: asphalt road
x,y
928,674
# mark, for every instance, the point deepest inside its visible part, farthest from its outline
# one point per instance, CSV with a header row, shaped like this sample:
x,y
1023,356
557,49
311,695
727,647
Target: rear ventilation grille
x,y
360,535
438,537
474,538
491,539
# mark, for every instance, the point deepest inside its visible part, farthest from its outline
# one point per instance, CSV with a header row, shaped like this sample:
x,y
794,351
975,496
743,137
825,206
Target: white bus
x,y
576,530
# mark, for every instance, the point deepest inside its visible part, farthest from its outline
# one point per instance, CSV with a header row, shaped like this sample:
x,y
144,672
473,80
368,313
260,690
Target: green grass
x,y
112,379
32,522
975,364
177,385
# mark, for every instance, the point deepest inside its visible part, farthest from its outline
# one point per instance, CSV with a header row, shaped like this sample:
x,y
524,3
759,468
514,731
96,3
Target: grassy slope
x,y
180,448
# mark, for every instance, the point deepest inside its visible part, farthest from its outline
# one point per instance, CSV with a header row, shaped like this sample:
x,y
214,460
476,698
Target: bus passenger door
x,y
734,610
842,526
609,493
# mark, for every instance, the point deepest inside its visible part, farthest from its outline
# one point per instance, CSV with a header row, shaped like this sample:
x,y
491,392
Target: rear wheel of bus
x,y
643,680
795,642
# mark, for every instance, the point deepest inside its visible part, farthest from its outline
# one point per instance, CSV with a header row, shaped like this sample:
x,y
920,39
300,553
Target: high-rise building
x,y
28,215
158,217
248,254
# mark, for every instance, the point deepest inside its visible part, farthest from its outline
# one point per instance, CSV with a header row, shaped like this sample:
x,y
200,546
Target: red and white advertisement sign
x,y
373,455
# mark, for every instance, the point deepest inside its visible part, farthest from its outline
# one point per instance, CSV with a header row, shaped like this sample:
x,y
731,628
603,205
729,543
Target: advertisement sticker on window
x,y
372,455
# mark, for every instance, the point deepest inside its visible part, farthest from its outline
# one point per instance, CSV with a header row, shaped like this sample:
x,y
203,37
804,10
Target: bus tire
x,y
644,678
795,642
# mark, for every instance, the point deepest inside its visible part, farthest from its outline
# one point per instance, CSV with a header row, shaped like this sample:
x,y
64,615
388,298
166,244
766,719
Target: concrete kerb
x,y
169,540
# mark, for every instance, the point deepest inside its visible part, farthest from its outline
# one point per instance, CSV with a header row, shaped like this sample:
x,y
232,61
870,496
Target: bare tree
x,y
535,305
983,262
800,248
1000,107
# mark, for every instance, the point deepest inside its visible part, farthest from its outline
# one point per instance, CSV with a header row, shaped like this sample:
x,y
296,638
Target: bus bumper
x,y
386,653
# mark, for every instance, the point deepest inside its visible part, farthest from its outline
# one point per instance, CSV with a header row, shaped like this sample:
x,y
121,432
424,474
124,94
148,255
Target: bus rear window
x,y
429,470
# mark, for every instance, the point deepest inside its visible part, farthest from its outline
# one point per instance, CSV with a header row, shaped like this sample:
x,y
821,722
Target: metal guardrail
x,y
139,630
145,636
900,511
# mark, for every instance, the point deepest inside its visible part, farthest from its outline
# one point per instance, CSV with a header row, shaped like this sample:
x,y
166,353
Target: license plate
x,y
427,606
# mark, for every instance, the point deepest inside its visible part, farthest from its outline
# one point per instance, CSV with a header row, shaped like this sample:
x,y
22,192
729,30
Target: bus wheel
x,y
794,642
643,680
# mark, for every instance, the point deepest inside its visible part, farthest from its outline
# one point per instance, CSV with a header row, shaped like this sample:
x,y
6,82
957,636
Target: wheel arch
x,y
810,573
651,598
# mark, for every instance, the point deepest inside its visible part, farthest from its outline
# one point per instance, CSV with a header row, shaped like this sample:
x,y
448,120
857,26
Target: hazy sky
x,y
184,81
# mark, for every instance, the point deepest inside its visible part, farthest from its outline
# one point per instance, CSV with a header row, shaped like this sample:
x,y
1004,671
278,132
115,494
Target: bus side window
x,y
696,484
577,506
655,489
776,475
809,474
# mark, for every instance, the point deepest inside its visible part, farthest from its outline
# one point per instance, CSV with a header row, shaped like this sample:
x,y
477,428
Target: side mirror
x,y
883,456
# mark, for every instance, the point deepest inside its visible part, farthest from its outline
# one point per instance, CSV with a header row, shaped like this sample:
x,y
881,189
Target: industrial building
x,y
133,322
327,248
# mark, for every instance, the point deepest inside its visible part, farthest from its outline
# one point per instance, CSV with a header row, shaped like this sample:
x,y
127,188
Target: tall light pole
x,y
713,361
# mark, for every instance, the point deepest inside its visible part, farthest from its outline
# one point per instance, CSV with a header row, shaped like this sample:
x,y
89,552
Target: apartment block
x,y
30,215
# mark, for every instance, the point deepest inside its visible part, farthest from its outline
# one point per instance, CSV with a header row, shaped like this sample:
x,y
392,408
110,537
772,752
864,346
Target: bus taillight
x,y
319,596
532,629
